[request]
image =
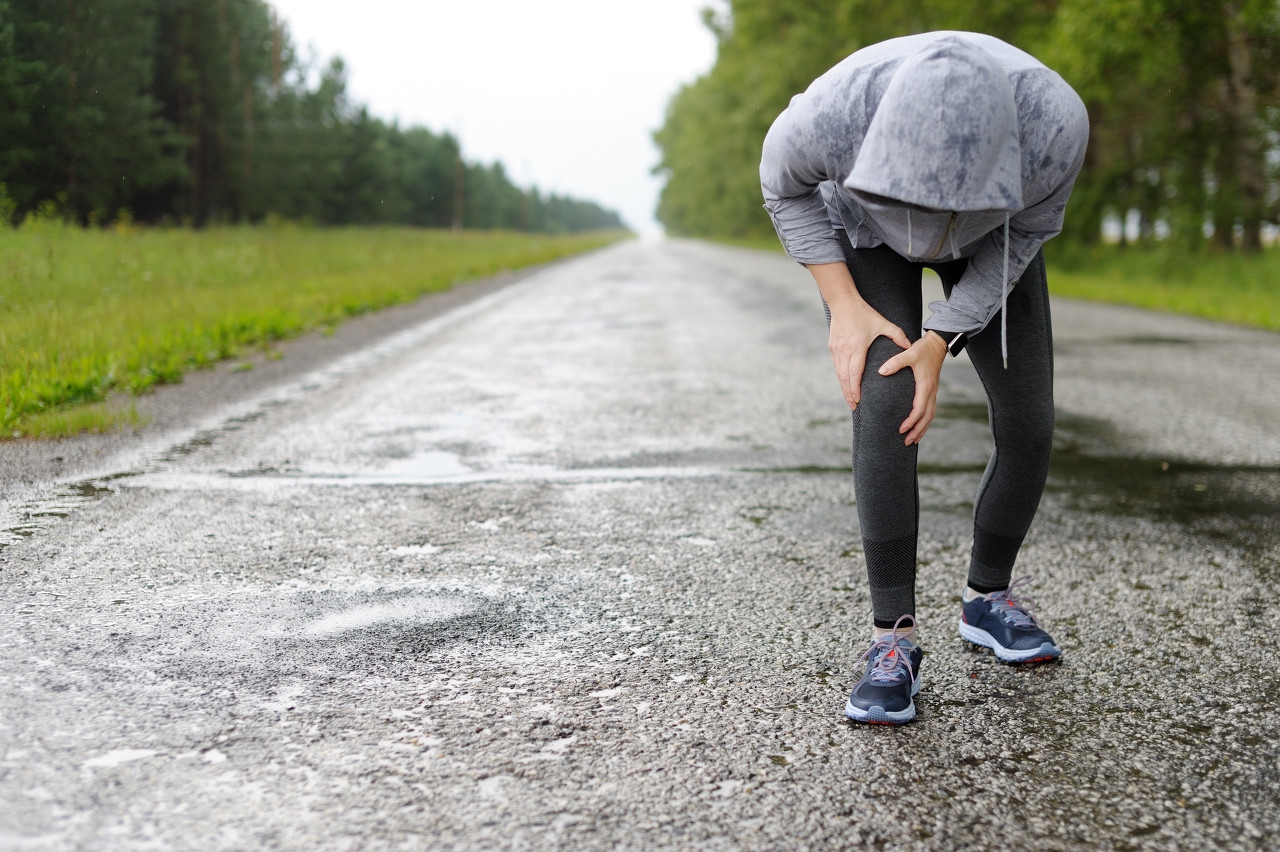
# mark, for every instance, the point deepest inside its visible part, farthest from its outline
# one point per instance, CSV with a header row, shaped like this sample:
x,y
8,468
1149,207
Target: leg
x,y
1020,402
884,468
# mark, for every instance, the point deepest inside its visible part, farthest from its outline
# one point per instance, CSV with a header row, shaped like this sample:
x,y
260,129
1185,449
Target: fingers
x,y
849,342
849,399
853,394
923,409
897,335
896,363
849,367
924,404
924,367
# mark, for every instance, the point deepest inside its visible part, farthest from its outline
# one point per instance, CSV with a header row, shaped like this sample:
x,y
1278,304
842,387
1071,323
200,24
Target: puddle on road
x,y
432,464
35,515
520,474
1234,505
251,641
208,437
1186,493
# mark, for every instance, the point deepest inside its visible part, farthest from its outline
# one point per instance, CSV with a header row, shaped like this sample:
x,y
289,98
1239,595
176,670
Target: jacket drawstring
x,y
1004,281
1004,297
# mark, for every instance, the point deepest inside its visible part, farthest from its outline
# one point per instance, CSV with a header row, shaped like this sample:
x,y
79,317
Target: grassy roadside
x,y
86,313
1233,288
1229,287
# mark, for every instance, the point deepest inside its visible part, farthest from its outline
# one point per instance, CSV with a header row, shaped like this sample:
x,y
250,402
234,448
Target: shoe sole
x,y
877,715
1046,652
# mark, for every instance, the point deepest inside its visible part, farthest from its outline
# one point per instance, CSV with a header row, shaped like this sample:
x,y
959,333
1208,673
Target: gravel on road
x,y
575,563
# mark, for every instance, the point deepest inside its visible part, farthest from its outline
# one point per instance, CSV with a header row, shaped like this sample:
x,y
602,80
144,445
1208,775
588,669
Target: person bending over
x,y
956,152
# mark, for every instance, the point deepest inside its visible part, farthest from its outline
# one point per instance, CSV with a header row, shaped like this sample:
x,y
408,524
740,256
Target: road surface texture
x,y
574,563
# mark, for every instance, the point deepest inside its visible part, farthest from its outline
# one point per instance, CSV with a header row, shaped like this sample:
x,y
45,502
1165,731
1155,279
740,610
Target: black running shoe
x,y
1002,621
884,694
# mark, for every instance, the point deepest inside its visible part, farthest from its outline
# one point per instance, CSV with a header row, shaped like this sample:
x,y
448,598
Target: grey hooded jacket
x,y
940,145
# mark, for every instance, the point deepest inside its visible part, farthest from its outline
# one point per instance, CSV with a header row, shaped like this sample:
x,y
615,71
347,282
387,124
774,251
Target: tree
x,y
1180,93
767,51
219,62
1183,98
84,126
199,111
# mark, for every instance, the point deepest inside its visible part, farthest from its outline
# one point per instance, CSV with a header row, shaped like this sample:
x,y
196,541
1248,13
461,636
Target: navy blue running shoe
x,y
883,695
1002,621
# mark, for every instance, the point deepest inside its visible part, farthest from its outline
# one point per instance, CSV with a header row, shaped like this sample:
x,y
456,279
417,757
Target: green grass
x,y
77,419
1242,289
85,313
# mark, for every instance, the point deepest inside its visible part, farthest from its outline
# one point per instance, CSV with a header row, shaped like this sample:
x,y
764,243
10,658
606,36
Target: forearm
x,y
976,298
840,292
837,286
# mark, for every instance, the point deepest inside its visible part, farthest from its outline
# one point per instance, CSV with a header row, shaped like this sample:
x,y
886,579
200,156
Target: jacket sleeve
x,y
791,175
977,296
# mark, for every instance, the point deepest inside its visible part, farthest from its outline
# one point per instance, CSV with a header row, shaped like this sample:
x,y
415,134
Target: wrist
x,y
845,299
952,341
848,310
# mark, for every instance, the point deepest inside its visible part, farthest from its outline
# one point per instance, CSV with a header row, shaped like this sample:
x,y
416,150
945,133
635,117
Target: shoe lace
x,y
1015,609
889,656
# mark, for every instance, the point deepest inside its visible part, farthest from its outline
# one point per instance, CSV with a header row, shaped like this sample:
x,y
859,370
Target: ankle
x,y
970,593
878,633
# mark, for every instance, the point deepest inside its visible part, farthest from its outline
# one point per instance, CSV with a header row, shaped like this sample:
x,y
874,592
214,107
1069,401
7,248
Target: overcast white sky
x,y
565,93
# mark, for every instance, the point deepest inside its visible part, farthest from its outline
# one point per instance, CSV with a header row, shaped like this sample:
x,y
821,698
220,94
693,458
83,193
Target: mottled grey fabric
x,y
945,134
924,144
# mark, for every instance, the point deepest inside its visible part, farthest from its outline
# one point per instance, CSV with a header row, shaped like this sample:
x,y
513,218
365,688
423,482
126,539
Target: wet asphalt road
x,y
576,564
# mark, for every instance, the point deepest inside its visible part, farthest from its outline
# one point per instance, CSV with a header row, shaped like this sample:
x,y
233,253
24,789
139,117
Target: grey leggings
x,y
1020,405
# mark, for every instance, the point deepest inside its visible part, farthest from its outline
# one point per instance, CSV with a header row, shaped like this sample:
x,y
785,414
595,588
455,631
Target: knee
x,y
886,392
1029,430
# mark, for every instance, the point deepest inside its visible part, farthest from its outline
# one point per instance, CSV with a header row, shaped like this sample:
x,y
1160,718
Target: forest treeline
x,y
202,111
1183,99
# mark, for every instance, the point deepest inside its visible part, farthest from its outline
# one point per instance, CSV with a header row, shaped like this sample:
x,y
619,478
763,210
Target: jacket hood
x,y
945,134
